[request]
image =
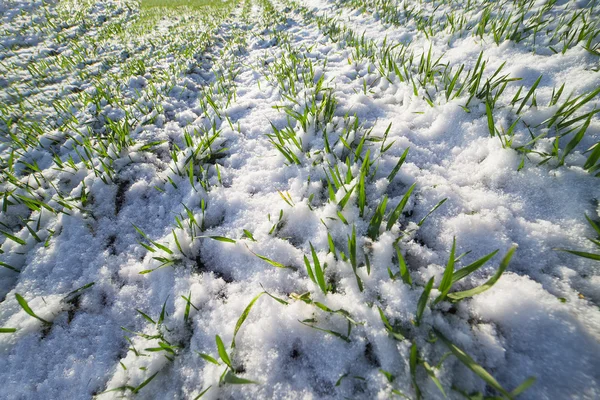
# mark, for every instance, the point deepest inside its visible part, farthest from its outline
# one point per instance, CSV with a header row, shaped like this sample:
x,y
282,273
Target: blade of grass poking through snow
x,y
362,193
593,158
277,299
398,165
31,231
403,267
339,381
376,219
575,140
446,283
529,94
5,265
390,377
523,386
391,330
472,365
431,211
222,352
146,317
414,359
268,260
208,358
456,296
219,238
591,256
341,312
177,242
394,215
331,245
352,255
8,330
423,301
118,389
28,309
593,224
469,269
235,380
308,322
13,238
345,199
243,317
202,393
158,245
309,269
249,235
431,372
77,292
147,381
188,308
490,119
319,272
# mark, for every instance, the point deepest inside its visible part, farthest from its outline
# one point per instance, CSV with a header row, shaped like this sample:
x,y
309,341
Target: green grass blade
x,y
13,238
346,197
375,223
529,94
591,256
490,119
434,378
28,310
147,381
202,393
219,238
523,386
146,317
235,380
249,235
162,247
331,245
394,215
472,365
414,359
268,260
575,140
593,224
431,211
456,296
319,273
469,269
593,157
7,266
208,358
398,165
222,352
333,333
446,283
309,270
403,267
243,317
393,332
423,301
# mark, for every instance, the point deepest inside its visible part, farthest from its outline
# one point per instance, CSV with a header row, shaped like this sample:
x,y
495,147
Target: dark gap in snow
x,y
370,355
120,196
110,245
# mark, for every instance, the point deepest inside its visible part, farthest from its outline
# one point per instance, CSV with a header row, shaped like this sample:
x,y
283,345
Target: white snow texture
x,y
117,117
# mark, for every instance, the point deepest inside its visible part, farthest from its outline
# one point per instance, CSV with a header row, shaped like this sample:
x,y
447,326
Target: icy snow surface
x,y
167,75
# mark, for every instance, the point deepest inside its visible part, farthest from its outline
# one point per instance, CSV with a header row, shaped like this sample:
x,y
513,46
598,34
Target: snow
x,y
540,319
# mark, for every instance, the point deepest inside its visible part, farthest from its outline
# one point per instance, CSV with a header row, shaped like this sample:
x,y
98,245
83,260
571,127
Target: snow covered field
x,y
299,199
